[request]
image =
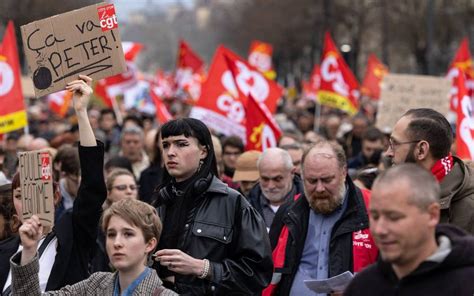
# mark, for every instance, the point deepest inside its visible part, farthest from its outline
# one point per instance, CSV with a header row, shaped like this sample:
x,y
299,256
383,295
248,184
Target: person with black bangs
x,y
213,241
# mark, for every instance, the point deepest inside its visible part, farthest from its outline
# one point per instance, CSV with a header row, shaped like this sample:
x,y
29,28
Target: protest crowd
x,y
223,182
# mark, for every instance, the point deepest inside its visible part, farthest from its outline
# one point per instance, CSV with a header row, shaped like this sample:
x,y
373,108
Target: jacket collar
x,y
462,254
217,186
458,180
146,287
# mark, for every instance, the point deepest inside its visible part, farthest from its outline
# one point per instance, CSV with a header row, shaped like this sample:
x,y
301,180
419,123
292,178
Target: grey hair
x,y
424,189
133,130
274,152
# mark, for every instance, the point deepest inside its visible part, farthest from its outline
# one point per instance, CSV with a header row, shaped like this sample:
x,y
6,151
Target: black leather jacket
x,y
227,231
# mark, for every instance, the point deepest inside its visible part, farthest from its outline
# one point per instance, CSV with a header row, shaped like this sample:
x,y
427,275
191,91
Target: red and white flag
x,y
110,87
262,131
220,105
131,50
165,83
465,122
462,63
339,87
12,106
260,56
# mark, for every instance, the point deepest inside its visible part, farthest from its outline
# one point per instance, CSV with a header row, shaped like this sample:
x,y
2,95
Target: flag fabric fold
x,y
374,74
220,106
12,107
339,87
464,122
462,63
260,56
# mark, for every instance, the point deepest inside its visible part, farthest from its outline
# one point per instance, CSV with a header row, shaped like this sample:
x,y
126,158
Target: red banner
x,y
373,77
220,105
462,63
12,106
339,87
189,71
187,58
262,131
260,56
465,122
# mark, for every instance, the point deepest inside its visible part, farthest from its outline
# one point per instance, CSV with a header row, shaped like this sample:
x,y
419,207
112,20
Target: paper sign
x,y
84,41
36,183
399,93
336,284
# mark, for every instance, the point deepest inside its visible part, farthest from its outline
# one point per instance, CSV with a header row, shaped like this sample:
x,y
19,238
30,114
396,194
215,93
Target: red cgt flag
x,y
339,87
262,131
260,56
465,122
220,105
12,106
373,77
250,81
462,63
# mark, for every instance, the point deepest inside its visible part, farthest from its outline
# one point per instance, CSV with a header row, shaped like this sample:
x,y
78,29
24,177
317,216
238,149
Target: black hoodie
x,y
452,276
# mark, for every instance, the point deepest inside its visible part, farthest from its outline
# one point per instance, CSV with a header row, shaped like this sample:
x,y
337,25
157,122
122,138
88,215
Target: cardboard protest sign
x,y
36,183
400,93
84,41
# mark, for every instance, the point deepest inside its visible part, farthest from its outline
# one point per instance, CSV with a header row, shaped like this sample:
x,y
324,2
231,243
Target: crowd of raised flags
x,y
236,96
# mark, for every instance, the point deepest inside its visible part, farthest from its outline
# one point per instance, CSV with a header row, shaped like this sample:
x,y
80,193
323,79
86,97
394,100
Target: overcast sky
x,y
124,7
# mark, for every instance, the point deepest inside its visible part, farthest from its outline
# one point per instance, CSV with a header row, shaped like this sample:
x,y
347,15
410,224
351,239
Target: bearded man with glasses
x,y
423,136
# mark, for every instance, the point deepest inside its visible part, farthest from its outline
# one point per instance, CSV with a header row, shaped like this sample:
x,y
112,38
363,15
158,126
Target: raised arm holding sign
x,y
75,233
83,41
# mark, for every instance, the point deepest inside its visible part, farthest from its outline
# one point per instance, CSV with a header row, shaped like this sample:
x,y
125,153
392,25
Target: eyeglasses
x,y
124,187
392,143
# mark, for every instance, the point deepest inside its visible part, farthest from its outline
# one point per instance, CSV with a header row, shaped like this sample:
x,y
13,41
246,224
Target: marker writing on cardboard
x,y
35,179
43,77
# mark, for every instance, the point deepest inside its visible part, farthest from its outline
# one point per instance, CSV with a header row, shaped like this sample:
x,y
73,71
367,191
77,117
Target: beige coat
x,y
25,282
